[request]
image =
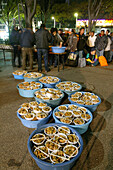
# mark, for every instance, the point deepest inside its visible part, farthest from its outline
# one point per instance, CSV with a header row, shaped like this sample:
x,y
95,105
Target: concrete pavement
x,y
98,140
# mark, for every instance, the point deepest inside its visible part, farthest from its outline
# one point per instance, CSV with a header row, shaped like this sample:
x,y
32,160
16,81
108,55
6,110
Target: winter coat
x,y
81,42
14,37
43,38
27,39
101,42
108,44
72,42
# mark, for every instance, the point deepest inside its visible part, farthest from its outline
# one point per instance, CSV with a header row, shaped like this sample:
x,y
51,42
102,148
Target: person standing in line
x,y
101,43
91,40
107,49
56,41
81,43
42,37
27,42
14,41
111,48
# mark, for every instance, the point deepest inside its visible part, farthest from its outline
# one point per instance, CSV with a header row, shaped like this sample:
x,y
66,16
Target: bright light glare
x,y
76,15
53,18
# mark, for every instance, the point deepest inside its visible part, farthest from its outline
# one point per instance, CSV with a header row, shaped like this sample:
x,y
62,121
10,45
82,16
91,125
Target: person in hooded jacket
x,y
14,41
101,43
27,42
43,38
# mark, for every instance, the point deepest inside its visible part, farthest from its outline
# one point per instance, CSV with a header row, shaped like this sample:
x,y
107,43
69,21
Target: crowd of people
x,y
89,46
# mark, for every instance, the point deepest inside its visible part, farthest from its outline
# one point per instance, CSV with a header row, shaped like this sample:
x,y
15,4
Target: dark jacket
x,y
101,42
43,38
27,39
81,42
14,37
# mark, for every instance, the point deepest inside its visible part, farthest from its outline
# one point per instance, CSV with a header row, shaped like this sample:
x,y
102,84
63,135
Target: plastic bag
x,y
81,62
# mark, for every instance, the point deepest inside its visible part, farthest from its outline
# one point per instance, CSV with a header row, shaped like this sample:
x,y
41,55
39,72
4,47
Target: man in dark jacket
x,y
43,38
14,41
101,43
27,42
81,43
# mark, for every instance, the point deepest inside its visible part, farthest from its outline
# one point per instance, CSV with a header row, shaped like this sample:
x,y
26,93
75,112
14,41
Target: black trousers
x,y
16,53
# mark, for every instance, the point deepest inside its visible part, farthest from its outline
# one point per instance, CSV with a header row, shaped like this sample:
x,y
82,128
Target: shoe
x,y
39,71
47,70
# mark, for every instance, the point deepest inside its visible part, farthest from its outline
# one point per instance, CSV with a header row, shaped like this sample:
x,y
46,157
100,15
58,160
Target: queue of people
x,y
90,47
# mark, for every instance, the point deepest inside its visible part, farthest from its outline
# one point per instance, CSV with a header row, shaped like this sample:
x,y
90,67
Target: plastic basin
x,y
28,93
58,49
52,85
34,124
48,166
68,92
80,128
92,108
19,77
52,103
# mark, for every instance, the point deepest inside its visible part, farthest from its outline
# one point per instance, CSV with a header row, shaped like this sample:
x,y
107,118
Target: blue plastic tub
x,y
58,49
48,166
18,77
92,108
52,85
52,103
34,124
80,128
28,93
68,92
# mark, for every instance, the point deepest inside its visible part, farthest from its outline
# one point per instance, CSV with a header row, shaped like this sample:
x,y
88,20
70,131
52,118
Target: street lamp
x,y
54,21
76,15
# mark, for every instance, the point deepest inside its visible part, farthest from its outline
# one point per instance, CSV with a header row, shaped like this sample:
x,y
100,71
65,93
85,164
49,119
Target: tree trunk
x,y
93,11
29,12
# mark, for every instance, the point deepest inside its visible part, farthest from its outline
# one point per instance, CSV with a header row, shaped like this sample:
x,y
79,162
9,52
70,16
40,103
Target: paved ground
x,y
98,140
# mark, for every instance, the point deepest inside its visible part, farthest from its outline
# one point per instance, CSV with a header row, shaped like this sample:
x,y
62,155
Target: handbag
x,y
103,61
72,56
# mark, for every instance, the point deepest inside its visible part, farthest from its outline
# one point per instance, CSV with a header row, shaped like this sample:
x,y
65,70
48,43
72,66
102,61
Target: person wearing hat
x,y
92,58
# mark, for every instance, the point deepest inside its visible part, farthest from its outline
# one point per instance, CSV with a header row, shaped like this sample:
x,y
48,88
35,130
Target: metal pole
x,y
76,23
54,23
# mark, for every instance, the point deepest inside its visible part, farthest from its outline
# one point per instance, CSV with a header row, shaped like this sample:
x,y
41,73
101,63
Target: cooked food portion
x,y
68,86
70,150
34,111
49,79
85,98
50,130
29,85
48,94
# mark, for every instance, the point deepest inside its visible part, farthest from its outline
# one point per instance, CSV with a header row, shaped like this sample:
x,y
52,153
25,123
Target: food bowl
x,y
53,102
69,90
28,93
91,107
81,128
34,123
49,81
33,76
44,165
58,49
18,74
